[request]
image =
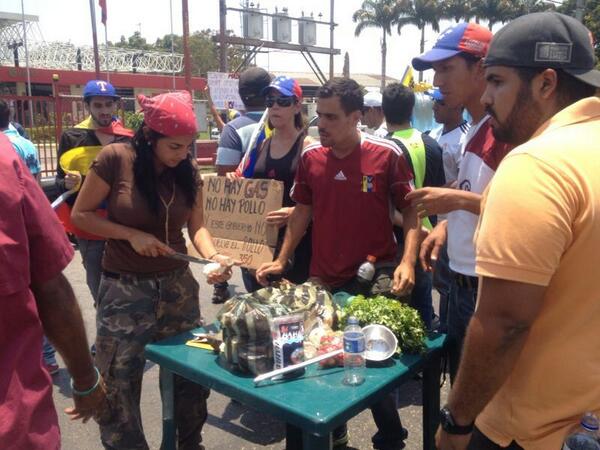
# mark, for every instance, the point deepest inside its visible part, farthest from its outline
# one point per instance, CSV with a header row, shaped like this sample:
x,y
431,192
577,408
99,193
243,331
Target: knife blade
x,y
194,259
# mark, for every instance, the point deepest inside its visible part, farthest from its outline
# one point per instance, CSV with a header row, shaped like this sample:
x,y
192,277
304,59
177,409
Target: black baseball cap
x,y
546,40
252,82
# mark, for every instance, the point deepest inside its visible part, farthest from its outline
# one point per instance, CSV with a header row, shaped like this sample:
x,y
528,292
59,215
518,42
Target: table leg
x,y
431,401
314,442
167,393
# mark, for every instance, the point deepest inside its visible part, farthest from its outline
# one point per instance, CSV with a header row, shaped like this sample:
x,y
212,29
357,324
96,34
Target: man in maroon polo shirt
x,y
347,185
34,294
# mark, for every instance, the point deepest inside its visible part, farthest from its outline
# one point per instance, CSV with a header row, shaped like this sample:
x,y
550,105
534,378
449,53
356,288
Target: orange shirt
x,y
541,225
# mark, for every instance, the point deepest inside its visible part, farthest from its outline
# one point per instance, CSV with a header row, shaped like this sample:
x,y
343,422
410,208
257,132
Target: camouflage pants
x,y
131,313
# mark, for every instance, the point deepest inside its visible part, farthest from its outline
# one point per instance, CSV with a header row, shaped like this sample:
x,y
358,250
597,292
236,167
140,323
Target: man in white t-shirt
x,y
372,115
450,134
457,59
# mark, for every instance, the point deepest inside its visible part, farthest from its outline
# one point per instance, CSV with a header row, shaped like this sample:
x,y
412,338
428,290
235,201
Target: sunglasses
x,y
284,102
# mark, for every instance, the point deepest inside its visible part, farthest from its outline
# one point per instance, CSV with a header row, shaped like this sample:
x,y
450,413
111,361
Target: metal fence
x,y
45,118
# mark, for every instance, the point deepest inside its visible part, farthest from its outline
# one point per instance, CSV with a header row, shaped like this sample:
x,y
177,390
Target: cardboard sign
x,y
234,213
224,90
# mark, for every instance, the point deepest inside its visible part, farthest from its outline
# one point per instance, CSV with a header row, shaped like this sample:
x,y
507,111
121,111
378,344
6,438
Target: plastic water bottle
x,y
366,272
585,437
354,353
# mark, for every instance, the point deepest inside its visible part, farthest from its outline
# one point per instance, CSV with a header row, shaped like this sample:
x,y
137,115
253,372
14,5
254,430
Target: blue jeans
x,y
442,279
420,297
462,306
48,352
91,257
250,282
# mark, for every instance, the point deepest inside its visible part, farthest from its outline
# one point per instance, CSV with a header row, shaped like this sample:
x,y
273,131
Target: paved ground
x,y
230,425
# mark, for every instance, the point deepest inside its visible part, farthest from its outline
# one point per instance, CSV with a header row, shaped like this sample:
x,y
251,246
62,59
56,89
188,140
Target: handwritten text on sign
x,y
234,213
224,90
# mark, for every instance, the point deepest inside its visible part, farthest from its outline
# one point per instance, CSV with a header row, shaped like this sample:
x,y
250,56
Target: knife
x,y
194,259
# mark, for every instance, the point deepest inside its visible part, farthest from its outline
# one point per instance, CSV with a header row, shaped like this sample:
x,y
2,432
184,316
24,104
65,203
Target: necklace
x,y
167,206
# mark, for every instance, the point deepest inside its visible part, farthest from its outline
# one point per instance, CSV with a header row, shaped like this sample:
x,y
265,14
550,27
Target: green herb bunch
x,y
403,320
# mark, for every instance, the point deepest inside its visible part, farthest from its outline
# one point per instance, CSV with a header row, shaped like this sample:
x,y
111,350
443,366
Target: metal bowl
x,y
380,342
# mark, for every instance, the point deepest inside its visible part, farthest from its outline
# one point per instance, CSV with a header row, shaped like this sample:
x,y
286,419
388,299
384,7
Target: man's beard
x,y
521,122
101,122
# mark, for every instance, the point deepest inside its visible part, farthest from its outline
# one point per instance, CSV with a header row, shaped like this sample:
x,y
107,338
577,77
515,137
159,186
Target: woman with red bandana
x,y
152,190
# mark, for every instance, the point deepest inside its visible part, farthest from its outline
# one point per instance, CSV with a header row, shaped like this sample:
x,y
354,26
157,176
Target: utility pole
x,y
331,28
14,46
95,40
222,31
579,7
187,67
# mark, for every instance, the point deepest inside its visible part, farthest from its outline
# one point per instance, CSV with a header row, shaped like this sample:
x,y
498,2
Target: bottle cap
x,y
352,320
589,421
371,259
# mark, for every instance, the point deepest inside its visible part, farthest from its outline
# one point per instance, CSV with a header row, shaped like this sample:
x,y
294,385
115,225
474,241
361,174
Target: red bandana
x,y
170,114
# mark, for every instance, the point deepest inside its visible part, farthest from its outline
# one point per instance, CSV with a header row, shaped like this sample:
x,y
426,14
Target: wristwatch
x,y
449,424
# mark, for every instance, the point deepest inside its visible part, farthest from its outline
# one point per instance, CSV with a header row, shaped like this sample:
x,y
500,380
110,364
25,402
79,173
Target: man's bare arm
x,y
63,325
496,335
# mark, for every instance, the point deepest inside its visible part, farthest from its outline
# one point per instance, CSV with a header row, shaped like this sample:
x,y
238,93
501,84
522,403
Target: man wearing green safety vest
x,y
425,158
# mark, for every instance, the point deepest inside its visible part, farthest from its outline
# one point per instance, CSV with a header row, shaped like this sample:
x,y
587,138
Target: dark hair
x,y
4,114
397,102
184,174
568,89
253,101
469,58
348,90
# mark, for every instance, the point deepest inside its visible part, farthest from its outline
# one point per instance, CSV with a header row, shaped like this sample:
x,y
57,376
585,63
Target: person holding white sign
x,y
277,159
236,136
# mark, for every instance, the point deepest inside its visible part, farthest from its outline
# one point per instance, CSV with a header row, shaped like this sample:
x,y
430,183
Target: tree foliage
x,y
380,14
204,51
591,19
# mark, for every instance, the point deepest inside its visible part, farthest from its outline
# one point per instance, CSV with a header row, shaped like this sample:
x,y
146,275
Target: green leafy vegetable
x,y
403,320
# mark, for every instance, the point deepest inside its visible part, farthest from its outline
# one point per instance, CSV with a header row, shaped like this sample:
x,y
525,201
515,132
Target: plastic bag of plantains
x,y
246,320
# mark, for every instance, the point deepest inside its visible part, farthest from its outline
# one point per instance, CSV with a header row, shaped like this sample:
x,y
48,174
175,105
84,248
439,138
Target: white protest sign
x,y
224,90
234,213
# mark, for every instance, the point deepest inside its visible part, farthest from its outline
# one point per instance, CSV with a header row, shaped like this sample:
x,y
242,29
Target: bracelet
x,y
213,255
90,390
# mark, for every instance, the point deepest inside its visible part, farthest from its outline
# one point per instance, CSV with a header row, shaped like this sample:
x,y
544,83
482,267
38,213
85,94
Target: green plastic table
x,y
316,402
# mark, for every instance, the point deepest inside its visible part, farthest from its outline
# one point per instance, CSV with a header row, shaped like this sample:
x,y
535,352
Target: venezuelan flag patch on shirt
x,y
368,183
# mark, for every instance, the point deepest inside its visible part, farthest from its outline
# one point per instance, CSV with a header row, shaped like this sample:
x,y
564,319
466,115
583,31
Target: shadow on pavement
x,y
254,426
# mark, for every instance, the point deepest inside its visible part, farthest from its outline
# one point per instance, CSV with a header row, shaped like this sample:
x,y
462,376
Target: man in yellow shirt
x,y
531,366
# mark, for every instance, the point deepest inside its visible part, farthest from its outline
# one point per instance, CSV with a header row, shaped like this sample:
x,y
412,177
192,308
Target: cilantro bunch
x,y
403,320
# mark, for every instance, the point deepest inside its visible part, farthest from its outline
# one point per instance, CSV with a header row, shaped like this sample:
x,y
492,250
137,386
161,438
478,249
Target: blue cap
x,y
99,88
435,94
285,86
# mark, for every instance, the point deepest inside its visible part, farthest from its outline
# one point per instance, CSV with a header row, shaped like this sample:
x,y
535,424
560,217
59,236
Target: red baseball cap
x,y
470,38
171,114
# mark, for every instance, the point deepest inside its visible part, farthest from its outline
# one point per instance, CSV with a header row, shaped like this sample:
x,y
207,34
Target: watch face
x,y
449,426
445,419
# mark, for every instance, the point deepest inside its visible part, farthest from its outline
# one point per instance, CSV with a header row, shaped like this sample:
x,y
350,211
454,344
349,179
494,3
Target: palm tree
x,y
494,11
377,14
530,6
420,13
457,10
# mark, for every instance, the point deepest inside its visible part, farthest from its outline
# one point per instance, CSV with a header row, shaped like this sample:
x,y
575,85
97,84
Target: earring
x,y
150,143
